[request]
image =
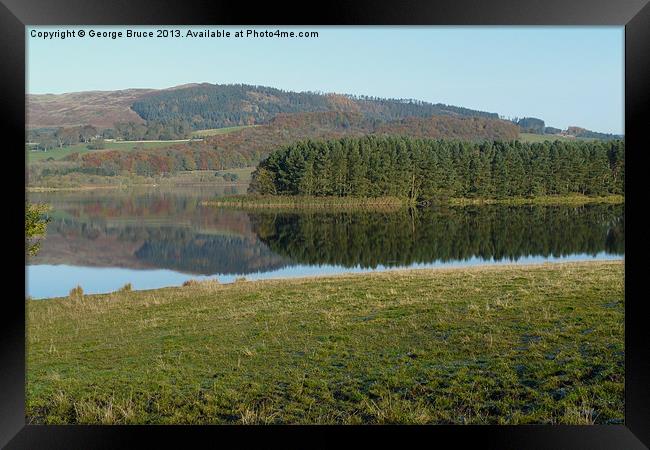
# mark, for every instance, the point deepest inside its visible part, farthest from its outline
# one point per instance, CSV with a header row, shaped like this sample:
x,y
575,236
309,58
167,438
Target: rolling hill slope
x,y
99,108
207,106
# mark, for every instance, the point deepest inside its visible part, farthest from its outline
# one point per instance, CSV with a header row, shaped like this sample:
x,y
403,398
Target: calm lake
x,y
153,238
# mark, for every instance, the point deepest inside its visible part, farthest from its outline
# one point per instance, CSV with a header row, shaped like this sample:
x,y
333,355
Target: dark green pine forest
x,y
215,106
427,169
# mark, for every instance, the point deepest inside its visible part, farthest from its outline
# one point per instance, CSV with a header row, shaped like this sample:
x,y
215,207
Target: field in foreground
x,y
500,344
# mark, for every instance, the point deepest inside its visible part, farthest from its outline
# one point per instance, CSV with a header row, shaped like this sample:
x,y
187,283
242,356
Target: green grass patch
x,y
485,345
216,131
56,153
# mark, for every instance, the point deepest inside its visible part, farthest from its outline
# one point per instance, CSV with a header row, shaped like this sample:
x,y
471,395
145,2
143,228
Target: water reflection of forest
x,y
428,235
181,248
175,231
152,230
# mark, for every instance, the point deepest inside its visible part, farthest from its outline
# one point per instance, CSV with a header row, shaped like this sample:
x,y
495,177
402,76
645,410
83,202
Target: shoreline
x,y
421,270
248,201
126,186
307,202
614,199
301,202
399,271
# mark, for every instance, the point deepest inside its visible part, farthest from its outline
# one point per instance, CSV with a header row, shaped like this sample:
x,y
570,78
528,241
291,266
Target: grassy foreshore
x,y
74,188
306,202
309,202
500,344
575,199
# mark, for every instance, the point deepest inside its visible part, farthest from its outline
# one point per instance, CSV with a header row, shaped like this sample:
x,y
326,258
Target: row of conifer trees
x,y
425,169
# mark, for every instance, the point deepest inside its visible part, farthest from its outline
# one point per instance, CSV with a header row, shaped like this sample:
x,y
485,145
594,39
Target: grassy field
x,y
60,153
500,344
215,131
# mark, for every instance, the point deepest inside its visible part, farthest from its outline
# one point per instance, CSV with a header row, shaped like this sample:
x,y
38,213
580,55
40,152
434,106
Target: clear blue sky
x,y
564,75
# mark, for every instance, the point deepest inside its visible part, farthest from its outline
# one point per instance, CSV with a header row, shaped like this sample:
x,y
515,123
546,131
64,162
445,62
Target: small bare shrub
x,y
76,292
204,284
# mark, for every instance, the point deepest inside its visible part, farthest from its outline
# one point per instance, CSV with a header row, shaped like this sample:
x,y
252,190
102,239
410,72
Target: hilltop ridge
x,y
205,105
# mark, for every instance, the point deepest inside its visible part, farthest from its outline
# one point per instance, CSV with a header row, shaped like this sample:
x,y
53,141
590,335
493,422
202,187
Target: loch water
x,y
155,237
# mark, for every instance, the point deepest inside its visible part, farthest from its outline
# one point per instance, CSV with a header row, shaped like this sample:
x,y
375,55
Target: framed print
x,y
255,222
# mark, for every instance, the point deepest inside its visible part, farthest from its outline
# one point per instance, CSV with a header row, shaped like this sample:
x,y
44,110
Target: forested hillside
x,y
215,106
100,109
443,127
141,114
426,169
248,146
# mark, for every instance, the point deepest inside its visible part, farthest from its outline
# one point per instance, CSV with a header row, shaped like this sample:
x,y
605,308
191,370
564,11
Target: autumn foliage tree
x,y
248,146
35,226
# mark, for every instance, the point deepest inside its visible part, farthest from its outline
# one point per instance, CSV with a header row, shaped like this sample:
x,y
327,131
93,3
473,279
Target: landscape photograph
x,y
325,225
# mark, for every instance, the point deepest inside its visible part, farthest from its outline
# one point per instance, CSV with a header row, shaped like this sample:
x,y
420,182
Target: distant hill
x,y
216,106
201,106
98,108
206,106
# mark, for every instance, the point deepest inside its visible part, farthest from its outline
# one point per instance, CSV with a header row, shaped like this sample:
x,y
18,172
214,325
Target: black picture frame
x,y
15,15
